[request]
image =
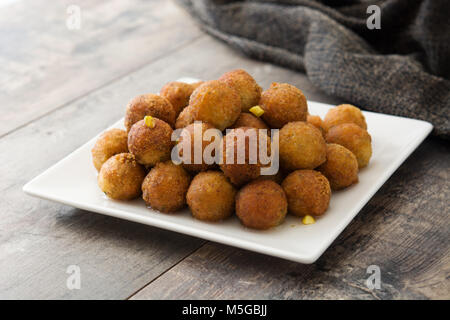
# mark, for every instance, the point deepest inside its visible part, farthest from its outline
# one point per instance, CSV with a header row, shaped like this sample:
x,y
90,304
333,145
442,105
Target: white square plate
x,y
393,139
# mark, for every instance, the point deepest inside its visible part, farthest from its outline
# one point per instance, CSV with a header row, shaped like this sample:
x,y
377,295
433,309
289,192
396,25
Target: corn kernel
x,y
308,220
257,111
149,121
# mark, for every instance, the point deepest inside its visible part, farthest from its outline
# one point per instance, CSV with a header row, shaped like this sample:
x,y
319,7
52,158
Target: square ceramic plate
x,y
393,140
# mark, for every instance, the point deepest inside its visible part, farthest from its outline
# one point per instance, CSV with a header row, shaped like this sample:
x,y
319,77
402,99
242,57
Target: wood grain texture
x,y
44,65
40,239
404,230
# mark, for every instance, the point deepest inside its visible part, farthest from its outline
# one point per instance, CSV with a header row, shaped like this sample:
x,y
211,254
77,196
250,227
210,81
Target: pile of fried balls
x,y
316,156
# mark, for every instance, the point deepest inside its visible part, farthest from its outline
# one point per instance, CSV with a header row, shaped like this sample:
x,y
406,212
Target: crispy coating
x,y
211,197
149,105
344,113
165,187
302,146
185,118
197,167
317,122
355,139
283,103
150,145
216,103
308,192
245,85
111,142
120,177
341,167
249,120
261,204
240,173
178,94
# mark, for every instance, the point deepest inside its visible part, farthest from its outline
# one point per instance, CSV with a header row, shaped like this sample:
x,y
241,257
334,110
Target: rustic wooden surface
x,y
60,87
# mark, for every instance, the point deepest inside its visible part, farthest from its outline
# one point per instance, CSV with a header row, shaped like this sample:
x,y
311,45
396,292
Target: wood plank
x,y
40,239
44,65
404,230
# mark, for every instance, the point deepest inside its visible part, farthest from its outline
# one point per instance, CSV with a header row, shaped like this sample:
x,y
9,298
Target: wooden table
x,y
59,87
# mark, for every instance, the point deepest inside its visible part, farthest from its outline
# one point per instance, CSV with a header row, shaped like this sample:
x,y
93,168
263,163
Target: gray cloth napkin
x,y
401,69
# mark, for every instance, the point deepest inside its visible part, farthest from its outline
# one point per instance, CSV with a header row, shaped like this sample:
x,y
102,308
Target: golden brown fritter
x,y
197,167
111,142
341,167
344,113
185,118
165,187
355,139
249,120
308,192
216,103
149,105
211,196
121,177
317,122
150,145
302,146
245,85
283,103
261,204
240,173
178,94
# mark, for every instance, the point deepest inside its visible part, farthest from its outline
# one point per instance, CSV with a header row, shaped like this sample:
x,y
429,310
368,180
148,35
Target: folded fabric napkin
x,y
403,68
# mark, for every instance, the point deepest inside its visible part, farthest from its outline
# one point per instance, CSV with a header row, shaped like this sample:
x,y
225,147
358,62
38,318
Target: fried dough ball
x,y
111,142
302,146
165,187
120,177
344,113
240,173
308,192
150,145
197,167
246,86
217,103
283,103
355,139
261,204
211,196
249,120
341,167
178,94
317,122
149,105
185,118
